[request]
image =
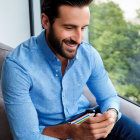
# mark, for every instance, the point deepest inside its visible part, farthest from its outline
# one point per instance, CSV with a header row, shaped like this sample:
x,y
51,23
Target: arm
x,y
62,131
20,110
101,86
92,128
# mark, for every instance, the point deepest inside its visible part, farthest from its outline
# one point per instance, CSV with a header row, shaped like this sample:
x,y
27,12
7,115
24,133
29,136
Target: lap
x,y
125,129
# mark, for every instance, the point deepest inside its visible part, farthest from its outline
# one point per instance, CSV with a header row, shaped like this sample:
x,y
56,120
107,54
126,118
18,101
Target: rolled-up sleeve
x,y
101,86
22,115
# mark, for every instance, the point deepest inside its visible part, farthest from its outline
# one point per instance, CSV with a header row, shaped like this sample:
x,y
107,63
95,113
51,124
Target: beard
x,y
58,46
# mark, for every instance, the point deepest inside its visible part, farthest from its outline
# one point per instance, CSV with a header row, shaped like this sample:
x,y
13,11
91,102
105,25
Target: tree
x,y
118,42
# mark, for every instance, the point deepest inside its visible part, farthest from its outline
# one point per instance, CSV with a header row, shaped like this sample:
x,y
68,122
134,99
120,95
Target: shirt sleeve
x,y
101,86
21,113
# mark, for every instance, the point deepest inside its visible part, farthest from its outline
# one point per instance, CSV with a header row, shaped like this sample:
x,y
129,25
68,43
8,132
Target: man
x,y
44,77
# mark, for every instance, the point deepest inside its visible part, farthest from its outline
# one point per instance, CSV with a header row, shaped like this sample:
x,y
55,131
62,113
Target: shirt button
x,y
56,75
56,70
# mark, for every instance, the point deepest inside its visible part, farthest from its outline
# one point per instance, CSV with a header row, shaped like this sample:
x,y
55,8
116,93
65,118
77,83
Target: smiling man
x,y
44,77
65,35
67,32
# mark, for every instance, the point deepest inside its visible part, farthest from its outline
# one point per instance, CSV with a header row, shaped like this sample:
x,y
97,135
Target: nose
x,y
78,36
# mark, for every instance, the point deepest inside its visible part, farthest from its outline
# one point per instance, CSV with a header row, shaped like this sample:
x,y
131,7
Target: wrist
x,y
71,130
63,131
114,112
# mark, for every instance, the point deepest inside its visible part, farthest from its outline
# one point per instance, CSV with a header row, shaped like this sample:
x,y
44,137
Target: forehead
x,y
70,14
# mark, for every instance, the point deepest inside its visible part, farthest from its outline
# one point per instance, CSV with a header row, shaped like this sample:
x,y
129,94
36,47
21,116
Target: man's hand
x,y
91,129
95,127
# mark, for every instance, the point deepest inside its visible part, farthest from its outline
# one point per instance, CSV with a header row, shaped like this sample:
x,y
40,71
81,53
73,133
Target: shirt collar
x,y
41,39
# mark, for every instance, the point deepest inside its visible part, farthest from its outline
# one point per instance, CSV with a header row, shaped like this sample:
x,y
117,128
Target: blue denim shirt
x,y
36,95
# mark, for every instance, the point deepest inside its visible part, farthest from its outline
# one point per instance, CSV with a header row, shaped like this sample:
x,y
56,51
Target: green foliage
x,y
118,42
138,13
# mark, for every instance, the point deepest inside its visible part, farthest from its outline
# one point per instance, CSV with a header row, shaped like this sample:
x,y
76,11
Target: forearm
x,y
62,131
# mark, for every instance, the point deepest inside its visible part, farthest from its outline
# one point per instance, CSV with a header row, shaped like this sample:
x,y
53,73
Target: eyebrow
x,y
73,25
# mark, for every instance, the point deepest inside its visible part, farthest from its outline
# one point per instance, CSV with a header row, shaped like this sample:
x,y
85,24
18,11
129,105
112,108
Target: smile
x,y
71,47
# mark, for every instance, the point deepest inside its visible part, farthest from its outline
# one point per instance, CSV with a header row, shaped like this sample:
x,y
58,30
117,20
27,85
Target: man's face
x,y
67,31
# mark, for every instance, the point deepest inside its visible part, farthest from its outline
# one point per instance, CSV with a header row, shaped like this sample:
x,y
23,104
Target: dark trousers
x,y
125,129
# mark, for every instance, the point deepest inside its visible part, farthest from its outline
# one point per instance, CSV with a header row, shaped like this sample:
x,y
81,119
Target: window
x,y
35,16
116,35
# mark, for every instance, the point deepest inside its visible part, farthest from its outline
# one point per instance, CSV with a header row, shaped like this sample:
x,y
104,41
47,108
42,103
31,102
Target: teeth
x,y
71,45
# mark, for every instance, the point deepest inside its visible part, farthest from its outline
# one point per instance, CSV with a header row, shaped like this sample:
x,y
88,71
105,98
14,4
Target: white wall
x,y
14,21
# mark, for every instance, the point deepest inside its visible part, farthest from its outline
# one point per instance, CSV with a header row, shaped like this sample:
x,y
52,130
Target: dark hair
x,y
50,7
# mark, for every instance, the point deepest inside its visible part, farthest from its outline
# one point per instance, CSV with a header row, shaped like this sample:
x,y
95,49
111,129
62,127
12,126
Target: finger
x,y
99,131
102,124
98,118
98,114
98,136
103,132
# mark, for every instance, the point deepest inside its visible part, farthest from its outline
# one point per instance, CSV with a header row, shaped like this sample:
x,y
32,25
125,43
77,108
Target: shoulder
x,y
23,48
89,55
86,46
87,50
24,51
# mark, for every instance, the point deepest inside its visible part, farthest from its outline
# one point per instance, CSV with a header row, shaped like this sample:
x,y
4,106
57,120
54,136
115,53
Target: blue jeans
x,y
124,129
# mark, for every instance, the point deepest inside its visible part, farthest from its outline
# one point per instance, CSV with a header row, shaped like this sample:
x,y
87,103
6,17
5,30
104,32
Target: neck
x,y
64,63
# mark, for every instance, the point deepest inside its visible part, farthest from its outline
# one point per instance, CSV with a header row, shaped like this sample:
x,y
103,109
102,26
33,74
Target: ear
x,y
45,20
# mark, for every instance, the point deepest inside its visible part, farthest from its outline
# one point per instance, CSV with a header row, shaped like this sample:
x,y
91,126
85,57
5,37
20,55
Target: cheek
x,y
64,34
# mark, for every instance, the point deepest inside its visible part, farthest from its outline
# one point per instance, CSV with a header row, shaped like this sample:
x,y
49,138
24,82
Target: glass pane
x,y
115,32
